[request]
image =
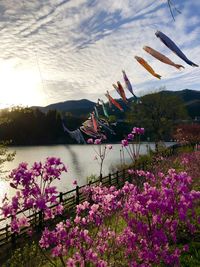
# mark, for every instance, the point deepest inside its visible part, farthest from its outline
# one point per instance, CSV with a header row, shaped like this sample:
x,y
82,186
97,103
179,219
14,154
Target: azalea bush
x,y
132,143
129,226
187,134
187,161
34,192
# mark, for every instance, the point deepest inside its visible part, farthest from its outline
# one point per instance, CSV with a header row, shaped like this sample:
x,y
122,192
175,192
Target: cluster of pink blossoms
x,y
98,142
132,147
129,226
135,132
33,191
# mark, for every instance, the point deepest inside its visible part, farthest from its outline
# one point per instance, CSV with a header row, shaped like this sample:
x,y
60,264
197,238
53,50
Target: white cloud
x,y
79,47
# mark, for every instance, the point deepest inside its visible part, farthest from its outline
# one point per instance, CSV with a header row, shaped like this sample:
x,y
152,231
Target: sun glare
x,y
20,87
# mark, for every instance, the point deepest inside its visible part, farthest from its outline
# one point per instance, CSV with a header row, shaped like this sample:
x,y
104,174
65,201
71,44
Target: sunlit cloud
x,y
61,50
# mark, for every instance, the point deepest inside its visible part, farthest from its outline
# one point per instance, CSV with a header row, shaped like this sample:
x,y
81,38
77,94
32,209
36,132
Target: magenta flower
x,y
152,216
90,141
75,182
130,136
141,130
97,142
33,191
137,130
124,142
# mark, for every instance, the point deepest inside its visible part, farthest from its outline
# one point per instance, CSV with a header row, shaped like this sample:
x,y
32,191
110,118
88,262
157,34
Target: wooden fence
x,y
68,199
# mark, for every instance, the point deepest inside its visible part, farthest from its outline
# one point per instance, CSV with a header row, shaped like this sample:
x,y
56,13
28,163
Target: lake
x,y
79,160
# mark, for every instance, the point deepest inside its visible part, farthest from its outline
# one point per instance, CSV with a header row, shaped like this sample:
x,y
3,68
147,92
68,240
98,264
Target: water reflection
x,y
74,160
79,160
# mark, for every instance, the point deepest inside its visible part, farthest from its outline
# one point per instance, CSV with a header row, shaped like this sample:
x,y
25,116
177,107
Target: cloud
x,y
79,47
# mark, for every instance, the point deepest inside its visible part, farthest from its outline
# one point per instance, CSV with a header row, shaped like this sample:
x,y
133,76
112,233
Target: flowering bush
x,y
128,226
33,191
187,134
100,150
187,161
131,146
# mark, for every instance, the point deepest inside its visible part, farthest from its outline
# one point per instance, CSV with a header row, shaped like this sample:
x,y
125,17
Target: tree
x,y
157,113
187,134
5,155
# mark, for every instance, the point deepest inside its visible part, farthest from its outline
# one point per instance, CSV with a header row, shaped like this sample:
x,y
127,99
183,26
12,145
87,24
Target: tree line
x,y
157,113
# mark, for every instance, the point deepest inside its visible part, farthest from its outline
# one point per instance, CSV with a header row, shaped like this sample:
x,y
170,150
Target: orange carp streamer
x,y
147,67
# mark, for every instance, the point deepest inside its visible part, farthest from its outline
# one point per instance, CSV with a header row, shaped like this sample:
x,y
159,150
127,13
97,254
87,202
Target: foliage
x,y
157,113
187,133
91,178
5,155
187,161
191,257
28,256
28,126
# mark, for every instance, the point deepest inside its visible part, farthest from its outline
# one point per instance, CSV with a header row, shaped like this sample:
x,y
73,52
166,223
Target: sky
x,y
57,50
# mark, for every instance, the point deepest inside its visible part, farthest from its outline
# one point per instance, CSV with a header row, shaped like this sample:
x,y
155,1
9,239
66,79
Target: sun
x,y
21,86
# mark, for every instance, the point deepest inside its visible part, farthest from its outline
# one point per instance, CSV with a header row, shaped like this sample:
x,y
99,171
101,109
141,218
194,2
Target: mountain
x,y
75,107
191,99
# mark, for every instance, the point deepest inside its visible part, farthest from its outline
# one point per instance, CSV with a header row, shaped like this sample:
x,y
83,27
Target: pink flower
x,y
137,130
186,248
130,136
109,147
124,142
90,141
141,130
75,182
97,142
59,209
23,222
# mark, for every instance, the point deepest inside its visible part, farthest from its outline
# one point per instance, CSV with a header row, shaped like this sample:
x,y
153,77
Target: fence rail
x,y
69,200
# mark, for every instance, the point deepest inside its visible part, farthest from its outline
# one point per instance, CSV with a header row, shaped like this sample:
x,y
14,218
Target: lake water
x,y
79,160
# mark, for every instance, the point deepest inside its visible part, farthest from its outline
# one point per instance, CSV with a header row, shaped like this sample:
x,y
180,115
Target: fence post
x,y
77,195
35,219
109,178
61,197
100,178
13,237
7,227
